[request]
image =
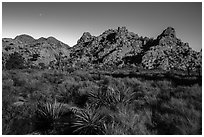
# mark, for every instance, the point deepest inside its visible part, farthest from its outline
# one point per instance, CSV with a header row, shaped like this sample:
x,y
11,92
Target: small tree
x,y
42,65
199,70
190,63
15,61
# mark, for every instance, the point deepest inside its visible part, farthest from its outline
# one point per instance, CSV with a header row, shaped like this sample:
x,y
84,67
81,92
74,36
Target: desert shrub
x,y
7,100
168,124
17,120
111,37
192,95
76,92
114,129
174,117
164,84
67,91
42,96
144,95
69,69
55,77
31,86
132,82
176,109
83,76
27,85
127,122
19,78
96,77
15,61
5,74
81,96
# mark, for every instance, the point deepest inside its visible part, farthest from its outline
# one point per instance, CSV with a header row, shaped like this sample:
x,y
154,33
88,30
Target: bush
x,y
17,120
15,61
127,122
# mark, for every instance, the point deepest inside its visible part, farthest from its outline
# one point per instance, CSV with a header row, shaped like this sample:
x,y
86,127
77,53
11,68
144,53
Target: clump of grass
x,y
127,122
176,117
76,92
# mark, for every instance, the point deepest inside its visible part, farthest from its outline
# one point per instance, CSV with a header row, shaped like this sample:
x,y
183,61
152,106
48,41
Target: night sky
x,y
68,21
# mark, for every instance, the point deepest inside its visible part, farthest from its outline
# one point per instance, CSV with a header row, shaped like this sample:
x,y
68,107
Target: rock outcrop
x,y
170,53
111,47
121,47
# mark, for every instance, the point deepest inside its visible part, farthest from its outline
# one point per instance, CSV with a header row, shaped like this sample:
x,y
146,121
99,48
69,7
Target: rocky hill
x,y
42,52
115,47
121,47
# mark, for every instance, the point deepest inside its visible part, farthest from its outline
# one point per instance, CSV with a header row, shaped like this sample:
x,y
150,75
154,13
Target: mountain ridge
x,y
117,47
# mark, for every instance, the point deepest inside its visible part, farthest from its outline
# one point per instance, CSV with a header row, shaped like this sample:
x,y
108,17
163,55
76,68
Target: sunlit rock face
x,y
121,47
170,53
111,47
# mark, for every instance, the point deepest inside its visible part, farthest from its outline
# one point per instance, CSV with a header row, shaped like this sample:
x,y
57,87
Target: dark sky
x,y
68,21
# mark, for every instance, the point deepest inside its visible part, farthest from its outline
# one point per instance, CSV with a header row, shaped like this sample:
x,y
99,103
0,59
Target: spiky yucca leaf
x,y
51,111
88,122
104,97
110,97
47,115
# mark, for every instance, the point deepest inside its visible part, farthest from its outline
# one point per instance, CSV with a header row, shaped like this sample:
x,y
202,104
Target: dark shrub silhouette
x,y
111,38
15,61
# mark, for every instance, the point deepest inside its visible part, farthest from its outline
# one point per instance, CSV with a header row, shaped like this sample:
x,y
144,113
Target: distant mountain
x,y
115,47
24,38
35,52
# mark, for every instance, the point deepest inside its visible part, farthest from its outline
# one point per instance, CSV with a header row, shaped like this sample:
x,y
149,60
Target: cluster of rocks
x,y
117,47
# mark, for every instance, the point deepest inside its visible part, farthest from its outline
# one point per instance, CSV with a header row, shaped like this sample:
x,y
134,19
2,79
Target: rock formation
x,y
111,47
170,53
117,47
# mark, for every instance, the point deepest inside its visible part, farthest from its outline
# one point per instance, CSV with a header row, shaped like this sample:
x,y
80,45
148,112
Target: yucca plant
x,y
123,93
103,97
47,115
88,122
111,97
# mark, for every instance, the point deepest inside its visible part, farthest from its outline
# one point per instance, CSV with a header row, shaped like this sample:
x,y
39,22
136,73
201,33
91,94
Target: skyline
x,y
68,21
